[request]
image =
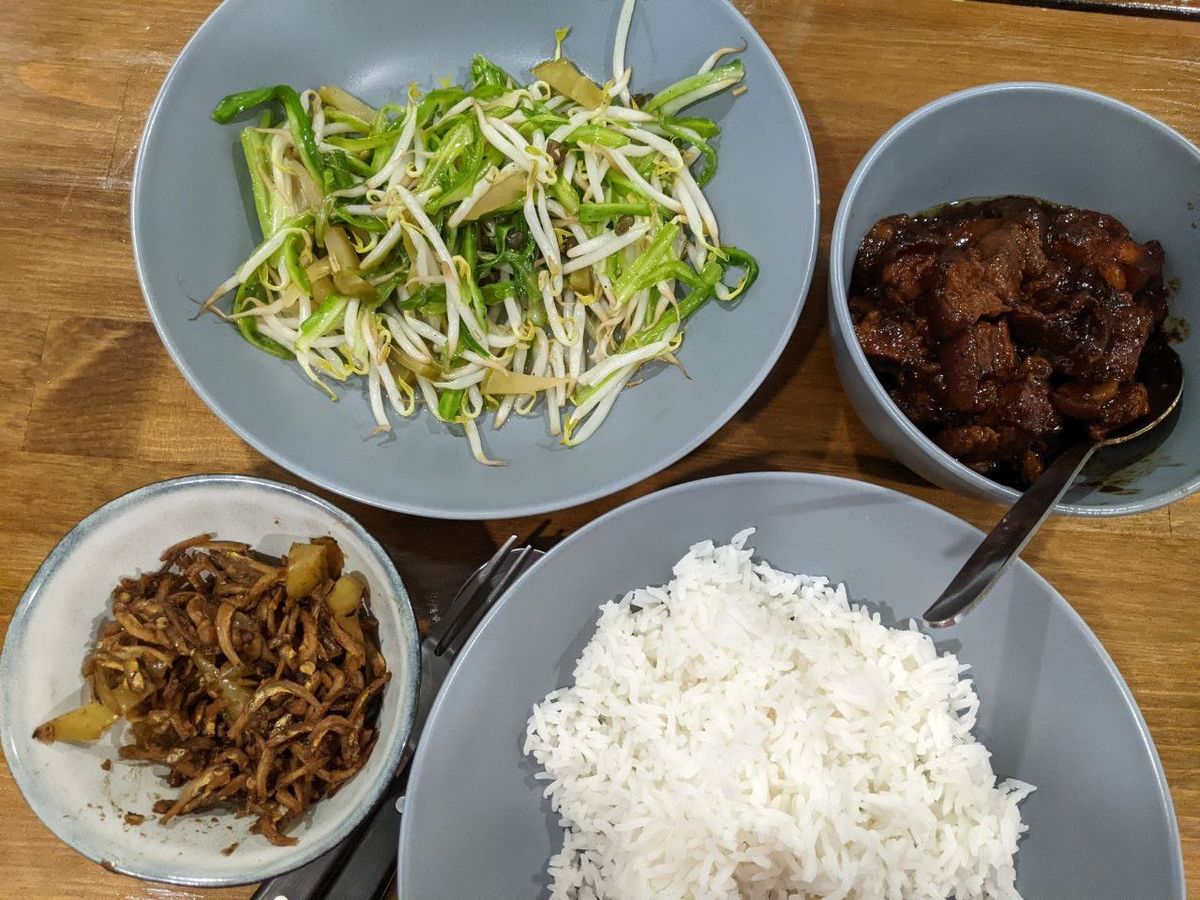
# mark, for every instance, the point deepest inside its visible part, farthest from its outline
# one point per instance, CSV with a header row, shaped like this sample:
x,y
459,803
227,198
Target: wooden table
x,y
91,406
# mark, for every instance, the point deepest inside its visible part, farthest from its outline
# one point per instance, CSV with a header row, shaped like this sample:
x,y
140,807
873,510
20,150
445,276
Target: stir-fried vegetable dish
x,y
493,246
256,683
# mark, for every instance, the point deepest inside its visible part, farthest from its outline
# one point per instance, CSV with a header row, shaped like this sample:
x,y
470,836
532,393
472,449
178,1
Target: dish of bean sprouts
x,y
487,247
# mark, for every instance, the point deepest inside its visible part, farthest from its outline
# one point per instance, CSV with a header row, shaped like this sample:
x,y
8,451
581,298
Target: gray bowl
x,y
1054,710
193,224
1067,146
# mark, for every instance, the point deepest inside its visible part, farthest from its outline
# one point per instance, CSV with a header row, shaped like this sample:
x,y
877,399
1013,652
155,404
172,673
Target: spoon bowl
x,y
1161,371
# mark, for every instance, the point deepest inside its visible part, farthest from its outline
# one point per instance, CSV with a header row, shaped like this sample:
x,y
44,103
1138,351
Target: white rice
x,y
744,732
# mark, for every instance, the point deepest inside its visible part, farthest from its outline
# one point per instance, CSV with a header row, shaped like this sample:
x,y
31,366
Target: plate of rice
x,y
717,691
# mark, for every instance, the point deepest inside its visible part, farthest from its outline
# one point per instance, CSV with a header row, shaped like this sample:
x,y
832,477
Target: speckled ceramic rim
x,y
839,307
789,480
392,746
769,357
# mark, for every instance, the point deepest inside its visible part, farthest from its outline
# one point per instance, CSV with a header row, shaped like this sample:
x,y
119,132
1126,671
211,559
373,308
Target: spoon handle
x,y
992,558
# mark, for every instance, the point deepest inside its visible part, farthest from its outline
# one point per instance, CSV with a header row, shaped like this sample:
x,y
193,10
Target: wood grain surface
x,y
91,406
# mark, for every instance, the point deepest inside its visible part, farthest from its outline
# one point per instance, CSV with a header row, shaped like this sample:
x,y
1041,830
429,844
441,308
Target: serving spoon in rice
x,y
1161,371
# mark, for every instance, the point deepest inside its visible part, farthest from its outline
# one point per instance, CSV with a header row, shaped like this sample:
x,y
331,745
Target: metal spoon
x,y
1162,373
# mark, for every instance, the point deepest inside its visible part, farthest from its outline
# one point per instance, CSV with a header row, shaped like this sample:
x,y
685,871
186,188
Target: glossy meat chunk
x,y
1025,404
982,275
1105,406
889,339
1090,334
974,363
1006,328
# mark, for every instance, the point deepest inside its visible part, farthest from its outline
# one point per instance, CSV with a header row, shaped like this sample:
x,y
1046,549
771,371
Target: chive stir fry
x,y
491,246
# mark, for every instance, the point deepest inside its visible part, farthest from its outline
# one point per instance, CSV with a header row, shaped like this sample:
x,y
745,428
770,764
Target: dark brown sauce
x,y
1006,328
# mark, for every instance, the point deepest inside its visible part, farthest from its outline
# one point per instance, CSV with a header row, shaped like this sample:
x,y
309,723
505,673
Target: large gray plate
x,y
192,225
1055,711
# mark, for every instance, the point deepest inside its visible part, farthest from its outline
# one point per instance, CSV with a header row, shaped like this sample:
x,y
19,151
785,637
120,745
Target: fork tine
x,y
469,595
506,577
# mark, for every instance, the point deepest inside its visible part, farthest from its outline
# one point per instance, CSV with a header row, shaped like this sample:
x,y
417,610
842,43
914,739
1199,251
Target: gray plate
x,y
193,224
1055,711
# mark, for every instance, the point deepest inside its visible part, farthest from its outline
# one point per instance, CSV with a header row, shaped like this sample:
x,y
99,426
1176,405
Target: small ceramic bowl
x,y
53,629
1066,146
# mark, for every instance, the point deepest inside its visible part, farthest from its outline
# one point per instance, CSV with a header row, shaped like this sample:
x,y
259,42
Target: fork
x,y
368,854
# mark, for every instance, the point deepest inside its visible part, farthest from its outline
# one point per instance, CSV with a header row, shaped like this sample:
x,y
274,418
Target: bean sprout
x,y
485,246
